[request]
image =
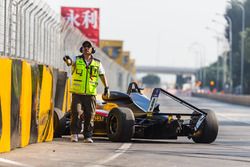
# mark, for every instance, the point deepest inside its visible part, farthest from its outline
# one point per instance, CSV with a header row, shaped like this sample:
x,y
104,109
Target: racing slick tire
x,y
208,130
60,126
57,134
120,125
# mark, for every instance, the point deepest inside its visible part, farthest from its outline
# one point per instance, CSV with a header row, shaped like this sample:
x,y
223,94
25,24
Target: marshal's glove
x,y
106,92
67,60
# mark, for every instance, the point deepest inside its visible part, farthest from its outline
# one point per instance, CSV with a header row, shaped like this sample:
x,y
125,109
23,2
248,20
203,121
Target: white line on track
x,y
233,118
6,161
117,153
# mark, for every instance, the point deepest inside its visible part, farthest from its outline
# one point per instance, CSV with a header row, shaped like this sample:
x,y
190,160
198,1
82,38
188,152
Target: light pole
x,y
242,49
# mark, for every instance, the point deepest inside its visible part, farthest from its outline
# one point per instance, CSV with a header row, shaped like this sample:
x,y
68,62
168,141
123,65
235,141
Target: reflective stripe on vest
x,y
85,78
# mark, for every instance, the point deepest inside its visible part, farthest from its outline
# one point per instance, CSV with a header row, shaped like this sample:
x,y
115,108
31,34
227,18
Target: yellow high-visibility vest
x,y
85,78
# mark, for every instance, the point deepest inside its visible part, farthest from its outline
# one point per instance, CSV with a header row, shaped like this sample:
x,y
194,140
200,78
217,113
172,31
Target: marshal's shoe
x,y
74,138
88,140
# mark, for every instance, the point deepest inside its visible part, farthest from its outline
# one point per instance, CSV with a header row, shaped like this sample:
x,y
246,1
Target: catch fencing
x,y
31,30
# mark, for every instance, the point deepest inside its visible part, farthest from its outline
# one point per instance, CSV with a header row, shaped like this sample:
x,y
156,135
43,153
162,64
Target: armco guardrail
x,y
228,98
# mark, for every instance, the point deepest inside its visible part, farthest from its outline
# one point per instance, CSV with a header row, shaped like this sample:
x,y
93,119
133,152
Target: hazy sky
x,y
160,32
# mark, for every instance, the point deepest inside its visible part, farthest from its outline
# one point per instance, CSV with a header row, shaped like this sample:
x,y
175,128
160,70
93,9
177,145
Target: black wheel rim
x,y
113,124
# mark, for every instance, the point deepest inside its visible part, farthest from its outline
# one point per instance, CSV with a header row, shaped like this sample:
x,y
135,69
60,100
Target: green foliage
x,y
211,75
235,13
151,79
247,62
247,45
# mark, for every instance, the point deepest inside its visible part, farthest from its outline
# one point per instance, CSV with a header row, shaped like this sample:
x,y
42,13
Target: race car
x,y
124,116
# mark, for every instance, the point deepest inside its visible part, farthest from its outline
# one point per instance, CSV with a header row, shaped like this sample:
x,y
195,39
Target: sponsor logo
x,y
98,118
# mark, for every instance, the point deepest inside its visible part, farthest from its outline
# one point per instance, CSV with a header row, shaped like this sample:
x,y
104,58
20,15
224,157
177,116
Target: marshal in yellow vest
x,y
85,78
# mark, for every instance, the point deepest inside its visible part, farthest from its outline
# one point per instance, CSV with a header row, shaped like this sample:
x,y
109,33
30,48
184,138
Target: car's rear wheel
x,y
120,125
208,130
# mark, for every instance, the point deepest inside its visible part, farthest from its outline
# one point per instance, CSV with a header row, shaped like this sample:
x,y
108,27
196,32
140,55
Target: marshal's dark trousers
x,y
88,104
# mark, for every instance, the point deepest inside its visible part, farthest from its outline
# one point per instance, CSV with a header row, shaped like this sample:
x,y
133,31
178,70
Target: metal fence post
x,y
29,34
36,33
10,26
25,28
40,42
21,28
53,41
18,20
57,49
50,36
5,28
45,35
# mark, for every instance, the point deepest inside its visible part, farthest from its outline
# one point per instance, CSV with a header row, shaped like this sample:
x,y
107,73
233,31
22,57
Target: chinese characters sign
x,y
85,19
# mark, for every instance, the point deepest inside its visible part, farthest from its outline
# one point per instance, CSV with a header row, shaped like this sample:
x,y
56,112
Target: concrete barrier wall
x,y
233,99
5,101
28,94
32,96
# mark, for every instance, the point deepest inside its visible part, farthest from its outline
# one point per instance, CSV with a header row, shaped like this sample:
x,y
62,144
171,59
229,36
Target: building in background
x,y
113,48
125,59
128,63
132,67
85,19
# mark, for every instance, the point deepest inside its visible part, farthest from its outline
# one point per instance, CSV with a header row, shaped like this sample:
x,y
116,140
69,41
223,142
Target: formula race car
x,y
124,116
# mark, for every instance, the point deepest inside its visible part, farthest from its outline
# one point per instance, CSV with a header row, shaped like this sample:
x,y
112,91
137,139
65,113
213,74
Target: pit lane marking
x,y
6,161
117,153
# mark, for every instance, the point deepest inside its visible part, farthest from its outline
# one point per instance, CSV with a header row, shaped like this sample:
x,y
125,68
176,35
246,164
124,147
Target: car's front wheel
x,y
120,125
61,126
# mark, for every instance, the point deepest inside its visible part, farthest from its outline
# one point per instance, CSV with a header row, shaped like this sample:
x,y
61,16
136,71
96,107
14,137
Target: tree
x,y
247,62
151,79
235,13
211,75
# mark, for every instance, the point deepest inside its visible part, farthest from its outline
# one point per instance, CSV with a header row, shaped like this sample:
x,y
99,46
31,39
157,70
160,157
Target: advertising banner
x,y
85,19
